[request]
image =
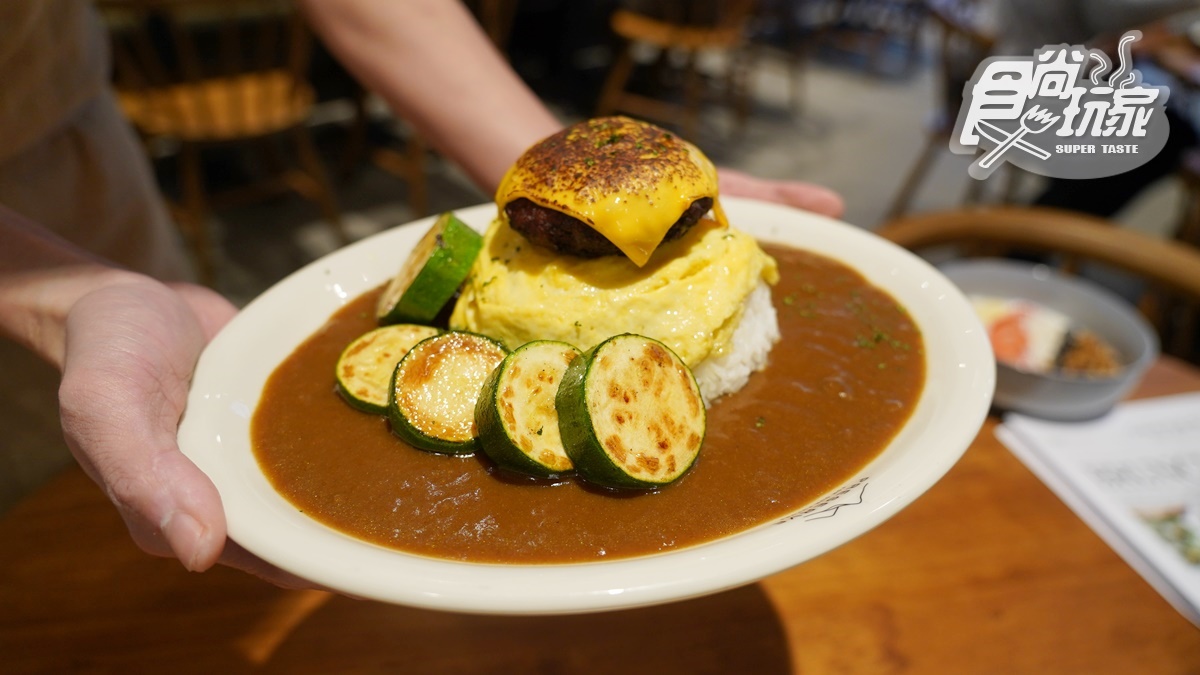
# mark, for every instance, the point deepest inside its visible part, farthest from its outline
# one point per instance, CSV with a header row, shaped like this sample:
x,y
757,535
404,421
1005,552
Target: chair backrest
x,y
1172,268
698,13
1166,263
496,18
963,45
221,68
687,24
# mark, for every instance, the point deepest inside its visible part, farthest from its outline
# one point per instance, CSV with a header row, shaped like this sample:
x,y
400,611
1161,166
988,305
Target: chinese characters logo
x,y
1064,112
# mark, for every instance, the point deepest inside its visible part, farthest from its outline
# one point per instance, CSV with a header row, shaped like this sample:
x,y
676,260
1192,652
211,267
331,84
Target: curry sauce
x,y
838,387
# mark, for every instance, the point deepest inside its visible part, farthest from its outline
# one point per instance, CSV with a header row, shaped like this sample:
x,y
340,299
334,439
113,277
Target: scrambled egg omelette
x,y
689,295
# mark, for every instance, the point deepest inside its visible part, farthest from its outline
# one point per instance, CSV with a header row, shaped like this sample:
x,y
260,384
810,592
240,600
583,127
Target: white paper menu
x,y
1134,477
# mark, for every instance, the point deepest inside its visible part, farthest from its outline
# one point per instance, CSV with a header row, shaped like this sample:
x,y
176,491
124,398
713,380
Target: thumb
x,y
129,354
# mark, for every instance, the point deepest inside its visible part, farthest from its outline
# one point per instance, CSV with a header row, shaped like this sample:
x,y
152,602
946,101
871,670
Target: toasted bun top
x,y
628,180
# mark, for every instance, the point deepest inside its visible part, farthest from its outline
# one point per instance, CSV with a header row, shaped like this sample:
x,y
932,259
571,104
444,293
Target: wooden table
x,y
986,573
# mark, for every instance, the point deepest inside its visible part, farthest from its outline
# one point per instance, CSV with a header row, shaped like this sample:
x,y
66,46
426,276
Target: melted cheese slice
x,y
628,180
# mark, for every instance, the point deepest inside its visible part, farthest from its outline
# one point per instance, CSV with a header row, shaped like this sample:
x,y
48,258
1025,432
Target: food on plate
x,y
364,370
1034,338
630,414
515,415
828,404
602,230
609,186
431,275
697,285
1089,355
605,329
1024,335
435,388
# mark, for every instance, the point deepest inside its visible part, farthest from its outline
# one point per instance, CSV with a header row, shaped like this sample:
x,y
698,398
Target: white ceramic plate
x,y
233,369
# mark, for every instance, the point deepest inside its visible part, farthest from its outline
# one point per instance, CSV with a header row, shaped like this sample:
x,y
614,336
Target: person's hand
x,y
797,194
130,350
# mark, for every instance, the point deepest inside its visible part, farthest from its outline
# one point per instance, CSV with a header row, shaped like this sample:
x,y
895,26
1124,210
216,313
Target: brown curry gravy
x,y
838,387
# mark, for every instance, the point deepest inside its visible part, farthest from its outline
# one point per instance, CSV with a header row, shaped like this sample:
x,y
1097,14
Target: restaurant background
x,y
837,102
843,94
847,102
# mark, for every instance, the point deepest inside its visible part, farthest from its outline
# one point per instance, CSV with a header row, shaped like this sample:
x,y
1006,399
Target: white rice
x,y
757,331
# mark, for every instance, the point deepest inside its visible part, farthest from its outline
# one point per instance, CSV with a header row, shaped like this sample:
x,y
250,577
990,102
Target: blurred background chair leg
x,y
1012,184
313,183
680,29
974,191
1188,230
408,164
960,48
738,85
355,148
912,182
192,213
693,94
617,80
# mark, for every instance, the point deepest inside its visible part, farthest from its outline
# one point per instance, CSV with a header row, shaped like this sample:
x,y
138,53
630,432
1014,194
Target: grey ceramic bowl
x,y
1053,396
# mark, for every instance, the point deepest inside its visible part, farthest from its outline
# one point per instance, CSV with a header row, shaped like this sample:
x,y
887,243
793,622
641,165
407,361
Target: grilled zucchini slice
x,y
515,415
630,414
364,370
432,274
434,389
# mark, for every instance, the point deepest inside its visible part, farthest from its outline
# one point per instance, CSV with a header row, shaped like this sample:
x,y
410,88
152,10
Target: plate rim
x,y
505,589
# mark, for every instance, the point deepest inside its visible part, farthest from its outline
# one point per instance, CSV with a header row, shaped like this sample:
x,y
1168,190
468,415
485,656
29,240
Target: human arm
x,y
126,346
435,67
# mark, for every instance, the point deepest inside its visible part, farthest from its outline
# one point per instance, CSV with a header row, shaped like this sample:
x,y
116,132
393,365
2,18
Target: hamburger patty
x,y
559,232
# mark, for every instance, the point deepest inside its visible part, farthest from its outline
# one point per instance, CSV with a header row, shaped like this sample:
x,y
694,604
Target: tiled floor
x,y
855,131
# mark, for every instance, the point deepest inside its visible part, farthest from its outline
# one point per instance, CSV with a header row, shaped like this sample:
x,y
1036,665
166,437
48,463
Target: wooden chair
x,y
408,160
962,47
675,29
869,26
797,28
496,17
1171,268
205,73
1188,230
801,28
403,157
